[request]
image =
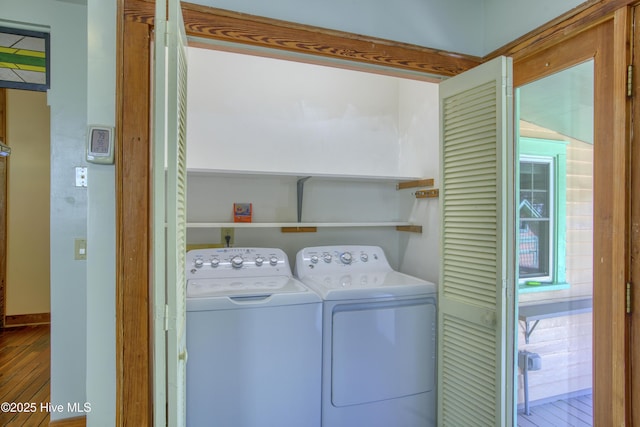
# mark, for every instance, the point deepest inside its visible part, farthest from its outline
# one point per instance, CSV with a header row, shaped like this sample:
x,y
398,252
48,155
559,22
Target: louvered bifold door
x,y
475,294
169,189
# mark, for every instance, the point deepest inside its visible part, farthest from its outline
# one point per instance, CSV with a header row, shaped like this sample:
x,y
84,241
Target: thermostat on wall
x,y
100,145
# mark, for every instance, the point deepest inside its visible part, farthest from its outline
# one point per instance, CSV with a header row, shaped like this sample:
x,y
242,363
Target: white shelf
x,y
296,224
263,174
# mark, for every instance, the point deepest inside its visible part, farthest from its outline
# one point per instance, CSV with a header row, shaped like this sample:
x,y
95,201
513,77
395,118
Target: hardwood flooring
x,y
25,354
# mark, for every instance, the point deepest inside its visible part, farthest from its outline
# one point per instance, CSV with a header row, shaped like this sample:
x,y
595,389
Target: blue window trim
x,y
557,150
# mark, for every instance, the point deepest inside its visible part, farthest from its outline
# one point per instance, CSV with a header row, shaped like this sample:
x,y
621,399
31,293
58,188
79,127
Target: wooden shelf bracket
x,y
299,229
427,182
410,228
427,194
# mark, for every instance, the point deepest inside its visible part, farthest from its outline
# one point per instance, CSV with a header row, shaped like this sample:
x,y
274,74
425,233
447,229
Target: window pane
x,y
534,248
535,220
540,202
540,175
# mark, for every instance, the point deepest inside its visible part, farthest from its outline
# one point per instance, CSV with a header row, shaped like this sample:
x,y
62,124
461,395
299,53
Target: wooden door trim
x,y
210,23
4,164
581,18
134,381
605,43
634,229
135,24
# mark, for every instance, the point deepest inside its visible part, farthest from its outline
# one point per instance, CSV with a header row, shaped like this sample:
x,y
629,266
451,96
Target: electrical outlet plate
x,y
80,249
81,176
224,232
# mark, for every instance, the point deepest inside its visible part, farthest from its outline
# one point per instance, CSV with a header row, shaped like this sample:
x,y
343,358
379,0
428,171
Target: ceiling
x,y
562,102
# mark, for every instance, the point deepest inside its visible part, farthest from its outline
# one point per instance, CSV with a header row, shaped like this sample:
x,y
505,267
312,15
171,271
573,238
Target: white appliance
x,y
254,341
379,338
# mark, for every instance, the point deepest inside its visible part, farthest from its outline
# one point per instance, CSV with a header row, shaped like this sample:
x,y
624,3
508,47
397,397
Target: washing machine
x,y
379,338
254,339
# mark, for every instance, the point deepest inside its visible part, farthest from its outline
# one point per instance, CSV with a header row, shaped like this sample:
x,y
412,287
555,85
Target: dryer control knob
x,y
346,258
259,261
273,260
364,257
198,263
314,259
327,258
236,261
215,262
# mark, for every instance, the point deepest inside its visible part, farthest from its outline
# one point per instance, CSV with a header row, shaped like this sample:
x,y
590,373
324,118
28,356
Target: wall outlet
x,y
81,176
226,233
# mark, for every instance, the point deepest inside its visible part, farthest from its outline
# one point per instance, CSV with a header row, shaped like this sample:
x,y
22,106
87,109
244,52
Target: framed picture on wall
x,y
24,59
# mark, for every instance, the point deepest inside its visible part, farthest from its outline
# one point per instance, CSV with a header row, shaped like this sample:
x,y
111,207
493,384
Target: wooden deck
x,y
24,375
576,411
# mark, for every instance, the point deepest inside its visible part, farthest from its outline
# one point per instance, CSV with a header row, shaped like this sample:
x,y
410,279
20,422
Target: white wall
x,y
101,230
282,117
270,115
67,98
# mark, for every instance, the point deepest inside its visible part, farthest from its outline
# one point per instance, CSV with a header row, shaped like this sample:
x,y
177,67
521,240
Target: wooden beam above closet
x,y
234,27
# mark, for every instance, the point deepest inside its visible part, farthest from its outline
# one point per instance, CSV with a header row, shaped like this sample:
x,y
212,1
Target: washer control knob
x,y
259,261
198,263
215,262
364,257
327,258
236,261
346,258
273,260
314,259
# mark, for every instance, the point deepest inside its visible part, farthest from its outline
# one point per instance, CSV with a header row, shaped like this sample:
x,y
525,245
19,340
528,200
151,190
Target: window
x,y
542,214
536,218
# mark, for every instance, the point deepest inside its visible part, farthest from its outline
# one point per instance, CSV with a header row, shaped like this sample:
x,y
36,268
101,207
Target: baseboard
x,y
70,422
27,319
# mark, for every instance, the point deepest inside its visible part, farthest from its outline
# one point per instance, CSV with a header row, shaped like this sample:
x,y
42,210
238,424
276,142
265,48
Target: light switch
x,y
80,249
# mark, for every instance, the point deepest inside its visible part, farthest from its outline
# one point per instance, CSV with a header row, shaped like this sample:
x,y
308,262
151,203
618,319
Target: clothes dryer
x,y
379,338
254,341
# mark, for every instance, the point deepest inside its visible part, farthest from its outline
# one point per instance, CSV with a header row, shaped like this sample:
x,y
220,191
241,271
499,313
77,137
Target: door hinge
x,y
629,298
629,80
166,317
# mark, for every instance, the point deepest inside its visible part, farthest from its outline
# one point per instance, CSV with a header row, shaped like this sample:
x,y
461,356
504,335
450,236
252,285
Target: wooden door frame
x,y
634,332
134,382
611,157
4,164
133,259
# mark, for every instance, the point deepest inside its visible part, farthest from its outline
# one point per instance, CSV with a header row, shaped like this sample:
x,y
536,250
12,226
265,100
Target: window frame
x,y
555,152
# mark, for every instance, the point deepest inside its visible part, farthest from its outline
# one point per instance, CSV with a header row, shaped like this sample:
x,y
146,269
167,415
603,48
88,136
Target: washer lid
x,y
211,294
368,285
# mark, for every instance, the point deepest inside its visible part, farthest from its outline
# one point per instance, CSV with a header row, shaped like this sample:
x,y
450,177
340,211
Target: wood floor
x,y
576,411
24,375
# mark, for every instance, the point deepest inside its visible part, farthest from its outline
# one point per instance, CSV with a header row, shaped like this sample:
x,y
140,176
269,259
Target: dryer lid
x,y
368,285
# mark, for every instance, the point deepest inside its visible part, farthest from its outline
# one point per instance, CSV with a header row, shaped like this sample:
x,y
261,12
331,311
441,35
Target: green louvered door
x,y
169,191
477,268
